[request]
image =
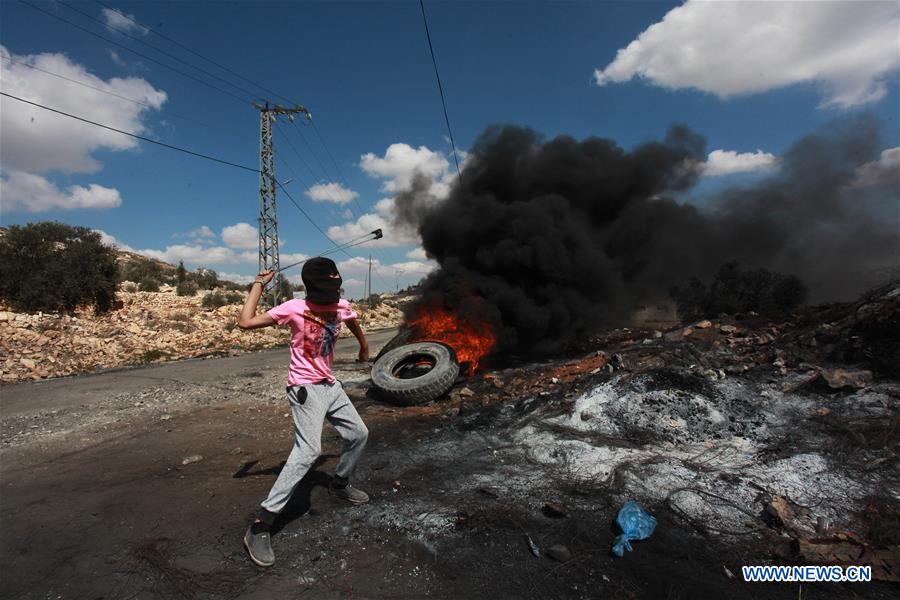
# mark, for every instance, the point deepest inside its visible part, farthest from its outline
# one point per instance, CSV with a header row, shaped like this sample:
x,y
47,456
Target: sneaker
x,y
350,494
259,545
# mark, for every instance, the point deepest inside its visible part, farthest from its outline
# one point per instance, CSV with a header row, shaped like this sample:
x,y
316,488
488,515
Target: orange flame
x,y
470,341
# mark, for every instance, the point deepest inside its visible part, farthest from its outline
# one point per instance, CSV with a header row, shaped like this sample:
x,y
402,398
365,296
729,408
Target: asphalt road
x,y
83,390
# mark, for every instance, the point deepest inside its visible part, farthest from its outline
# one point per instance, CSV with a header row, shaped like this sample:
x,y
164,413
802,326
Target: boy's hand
x,y
265,276
363,355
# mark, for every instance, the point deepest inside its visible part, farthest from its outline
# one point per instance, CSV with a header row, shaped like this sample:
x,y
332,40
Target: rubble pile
x,y
148,327
380,316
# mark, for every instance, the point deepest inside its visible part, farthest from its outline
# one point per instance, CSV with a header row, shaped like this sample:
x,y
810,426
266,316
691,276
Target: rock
x,y
28,363
798,381
727,328
846,378
779,512
193,458
657,334
466,392
559,553
4,316
703,324
554,380
555,510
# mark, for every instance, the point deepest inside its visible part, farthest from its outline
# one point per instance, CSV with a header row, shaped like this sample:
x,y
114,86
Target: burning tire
x,y
415,373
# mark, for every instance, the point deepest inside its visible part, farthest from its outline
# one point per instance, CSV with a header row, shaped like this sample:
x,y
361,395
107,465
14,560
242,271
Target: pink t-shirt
x,y
314,331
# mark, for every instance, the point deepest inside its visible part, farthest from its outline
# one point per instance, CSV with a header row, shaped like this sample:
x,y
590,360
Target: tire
x,y
415,373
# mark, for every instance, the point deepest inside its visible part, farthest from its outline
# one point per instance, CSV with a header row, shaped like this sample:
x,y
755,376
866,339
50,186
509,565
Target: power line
x,y
437,76
179,149
297,152
134,135
225,68
160,50
385,254
192,77
195,53
308,168
115,95
142,55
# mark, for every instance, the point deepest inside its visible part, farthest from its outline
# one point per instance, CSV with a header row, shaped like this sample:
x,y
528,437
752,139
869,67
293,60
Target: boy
x,y
313,392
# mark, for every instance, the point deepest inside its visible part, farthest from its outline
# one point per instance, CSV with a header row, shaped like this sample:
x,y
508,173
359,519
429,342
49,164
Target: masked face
x,y
322,280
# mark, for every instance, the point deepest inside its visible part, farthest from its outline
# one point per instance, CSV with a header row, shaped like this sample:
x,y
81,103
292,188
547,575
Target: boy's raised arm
x,y
249,319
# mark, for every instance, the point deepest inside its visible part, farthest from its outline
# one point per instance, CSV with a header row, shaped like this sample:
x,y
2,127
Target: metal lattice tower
x,y
268,222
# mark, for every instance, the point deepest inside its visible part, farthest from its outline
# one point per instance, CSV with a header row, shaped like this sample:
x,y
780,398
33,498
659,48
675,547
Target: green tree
x,y
284,291
735,290
207,279
50,266
180,272
139,268
186,288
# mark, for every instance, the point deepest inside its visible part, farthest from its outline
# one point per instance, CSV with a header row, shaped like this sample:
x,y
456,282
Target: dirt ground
x,y
145,492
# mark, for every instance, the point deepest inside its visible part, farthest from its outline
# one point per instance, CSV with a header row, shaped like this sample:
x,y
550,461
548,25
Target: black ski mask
x,y
322,281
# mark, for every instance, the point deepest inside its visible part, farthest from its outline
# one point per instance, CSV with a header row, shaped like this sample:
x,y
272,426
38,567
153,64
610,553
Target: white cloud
x,y
392,236
885,170
738,48
201,255
34,193
110,240
728,162
241,235
37,141
235,277
122,22
417,254
400,162
202,233
415,268
331,192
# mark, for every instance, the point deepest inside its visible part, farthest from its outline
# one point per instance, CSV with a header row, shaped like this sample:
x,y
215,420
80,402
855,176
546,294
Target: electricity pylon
x,y
268,223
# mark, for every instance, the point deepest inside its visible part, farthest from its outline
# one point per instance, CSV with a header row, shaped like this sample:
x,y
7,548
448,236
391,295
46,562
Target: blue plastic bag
x,y
635,523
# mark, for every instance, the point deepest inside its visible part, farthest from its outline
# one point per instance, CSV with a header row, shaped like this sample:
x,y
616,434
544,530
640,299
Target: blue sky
x,y
749,77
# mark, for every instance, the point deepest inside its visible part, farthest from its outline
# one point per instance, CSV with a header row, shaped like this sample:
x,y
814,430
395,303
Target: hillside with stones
x,y
147,327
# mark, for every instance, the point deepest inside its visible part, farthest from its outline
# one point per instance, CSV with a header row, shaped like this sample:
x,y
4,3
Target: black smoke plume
x,y
547,240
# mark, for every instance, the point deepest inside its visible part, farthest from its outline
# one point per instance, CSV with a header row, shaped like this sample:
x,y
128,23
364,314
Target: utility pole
x,y
268,223
370,281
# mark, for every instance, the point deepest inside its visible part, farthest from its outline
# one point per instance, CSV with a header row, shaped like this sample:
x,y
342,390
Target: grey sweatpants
x,y
311,404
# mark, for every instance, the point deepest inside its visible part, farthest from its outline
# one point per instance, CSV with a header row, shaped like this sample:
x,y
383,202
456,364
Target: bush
x,y
214,300
148,284
130,287
139,268
232,286
51,266
186,288
284,291
234,297
734,290
206,279
180,272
